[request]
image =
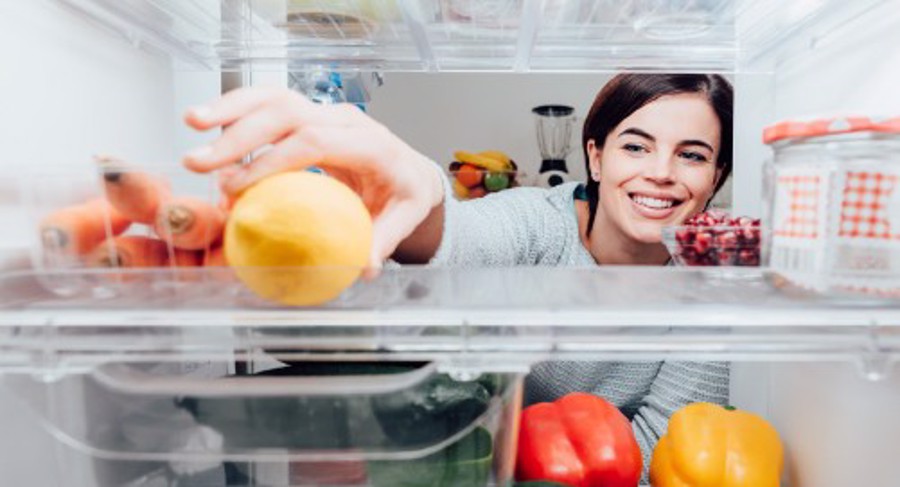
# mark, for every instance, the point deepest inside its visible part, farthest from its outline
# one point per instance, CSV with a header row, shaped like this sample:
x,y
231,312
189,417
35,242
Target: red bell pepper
x,y
580,440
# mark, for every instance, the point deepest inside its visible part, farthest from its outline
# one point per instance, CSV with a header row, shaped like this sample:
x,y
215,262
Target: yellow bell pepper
x,y
707,445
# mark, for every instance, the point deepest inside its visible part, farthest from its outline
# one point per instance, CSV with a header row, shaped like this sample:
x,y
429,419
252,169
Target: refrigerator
x,y
167,377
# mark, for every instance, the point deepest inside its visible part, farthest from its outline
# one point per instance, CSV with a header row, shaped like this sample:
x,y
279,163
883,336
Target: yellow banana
x,y
482,161
500,156
462,192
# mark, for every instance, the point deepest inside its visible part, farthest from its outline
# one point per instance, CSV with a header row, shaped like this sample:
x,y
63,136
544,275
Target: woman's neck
x,y
608,246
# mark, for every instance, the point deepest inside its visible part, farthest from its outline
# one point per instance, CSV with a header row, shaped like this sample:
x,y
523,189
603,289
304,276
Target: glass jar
x,y
832,194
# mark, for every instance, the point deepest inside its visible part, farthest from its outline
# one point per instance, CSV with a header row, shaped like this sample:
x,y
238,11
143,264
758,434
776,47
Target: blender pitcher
x,y
554,125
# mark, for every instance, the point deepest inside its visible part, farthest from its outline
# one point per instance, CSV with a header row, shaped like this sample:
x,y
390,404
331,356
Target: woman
x,y
657,147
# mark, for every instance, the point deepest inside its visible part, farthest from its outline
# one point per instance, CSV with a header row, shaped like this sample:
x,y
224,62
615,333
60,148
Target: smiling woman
x,y
657,148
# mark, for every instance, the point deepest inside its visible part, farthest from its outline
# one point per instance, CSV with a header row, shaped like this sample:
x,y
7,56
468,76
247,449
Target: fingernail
x,y
200,153
369,274
200,112
235,183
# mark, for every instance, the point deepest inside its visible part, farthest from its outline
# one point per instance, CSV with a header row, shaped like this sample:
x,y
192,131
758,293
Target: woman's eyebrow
x,y
697,142
638,132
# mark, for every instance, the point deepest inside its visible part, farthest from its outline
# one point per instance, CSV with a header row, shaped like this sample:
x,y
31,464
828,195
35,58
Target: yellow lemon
x,y
298,238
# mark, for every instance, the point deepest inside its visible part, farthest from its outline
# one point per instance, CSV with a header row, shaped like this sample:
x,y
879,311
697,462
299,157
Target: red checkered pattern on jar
x,y
803,216
864,207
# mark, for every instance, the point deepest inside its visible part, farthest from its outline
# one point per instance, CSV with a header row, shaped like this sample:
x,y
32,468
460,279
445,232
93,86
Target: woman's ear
x,y
594,154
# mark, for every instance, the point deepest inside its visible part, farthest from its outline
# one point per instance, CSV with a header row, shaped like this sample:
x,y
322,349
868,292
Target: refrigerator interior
x,y
85,76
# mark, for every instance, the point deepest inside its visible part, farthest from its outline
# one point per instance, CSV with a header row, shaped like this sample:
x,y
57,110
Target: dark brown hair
x,y
626,93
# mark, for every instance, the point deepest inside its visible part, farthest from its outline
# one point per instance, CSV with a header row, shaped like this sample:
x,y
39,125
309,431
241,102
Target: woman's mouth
x,y
654,207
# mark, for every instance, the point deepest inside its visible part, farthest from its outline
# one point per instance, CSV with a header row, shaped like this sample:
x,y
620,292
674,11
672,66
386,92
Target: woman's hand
x,y
287,132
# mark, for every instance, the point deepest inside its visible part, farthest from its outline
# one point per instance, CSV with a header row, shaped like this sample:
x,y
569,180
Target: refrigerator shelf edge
x,y
437,35
458,316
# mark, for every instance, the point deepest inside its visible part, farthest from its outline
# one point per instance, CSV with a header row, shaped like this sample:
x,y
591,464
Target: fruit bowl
x,y
470,181
713,239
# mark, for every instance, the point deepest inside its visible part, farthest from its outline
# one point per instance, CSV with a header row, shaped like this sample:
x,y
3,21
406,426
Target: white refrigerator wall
x,y
840,428
68,90
441,113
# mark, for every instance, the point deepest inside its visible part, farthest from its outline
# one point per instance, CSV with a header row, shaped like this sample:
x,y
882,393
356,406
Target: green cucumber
x,y
466,463
430,412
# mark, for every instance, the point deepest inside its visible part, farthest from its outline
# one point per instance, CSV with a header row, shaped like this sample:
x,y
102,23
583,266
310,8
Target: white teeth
x,y
654,203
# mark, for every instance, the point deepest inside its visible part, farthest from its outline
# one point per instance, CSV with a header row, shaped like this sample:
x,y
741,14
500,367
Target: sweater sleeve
x,y
513,227
677,385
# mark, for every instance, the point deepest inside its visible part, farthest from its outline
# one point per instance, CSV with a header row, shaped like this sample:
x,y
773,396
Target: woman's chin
x,y
647,234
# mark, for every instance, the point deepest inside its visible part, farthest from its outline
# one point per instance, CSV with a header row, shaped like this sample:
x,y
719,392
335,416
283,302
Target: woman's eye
x,y
636,148
693,156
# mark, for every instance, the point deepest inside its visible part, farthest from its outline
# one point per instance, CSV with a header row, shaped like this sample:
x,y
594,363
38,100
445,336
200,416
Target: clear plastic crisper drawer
x,y
306,423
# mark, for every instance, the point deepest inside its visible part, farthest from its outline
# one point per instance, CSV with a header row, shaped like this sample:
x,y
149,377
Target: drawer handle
x,y
123,378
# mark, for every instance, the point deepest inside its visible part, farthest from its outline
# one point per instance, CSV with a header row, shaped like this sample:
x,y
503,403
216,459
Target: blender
x,y
554,125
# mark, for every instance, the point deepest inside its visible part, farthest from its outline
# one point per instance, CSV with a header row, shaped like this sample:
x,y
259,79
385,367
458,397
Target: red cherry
x,y
744,221
726,257
684,236
702,242
748,257
688,255
717,216
750,236
727,240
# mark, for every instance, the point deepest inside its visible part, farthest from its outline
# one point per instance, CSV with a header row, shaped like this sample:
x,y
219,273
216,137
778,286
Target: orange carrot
x,y
185,258
215,257
76,230
130,251
189,223
137,251
136,194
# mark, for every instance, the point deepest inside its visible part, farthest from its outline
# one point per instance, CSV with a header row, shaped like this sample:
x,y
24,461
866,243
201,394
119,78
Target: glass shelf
x,y
473,35
461,318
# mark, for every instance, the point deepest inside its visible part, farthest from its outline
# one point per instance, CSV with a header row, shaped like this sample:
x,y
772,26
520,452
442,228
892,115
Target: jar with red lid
x,y
832,193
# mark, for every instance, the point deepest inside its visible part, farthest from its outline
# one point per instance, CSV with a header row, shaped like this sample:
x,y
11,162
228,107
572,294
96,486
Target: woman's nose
x,y
661,169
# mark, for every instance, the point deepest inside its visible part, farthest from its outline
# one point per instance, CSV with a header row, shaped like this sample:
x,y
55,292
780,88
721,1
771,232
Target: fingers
x,y
398,220
371,273
262,127
236,104
327,145
291,153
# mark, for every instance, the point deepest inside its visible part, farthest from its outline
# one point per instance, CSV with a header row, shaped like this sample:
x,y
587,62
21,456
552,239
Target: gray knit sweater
x,y
532,226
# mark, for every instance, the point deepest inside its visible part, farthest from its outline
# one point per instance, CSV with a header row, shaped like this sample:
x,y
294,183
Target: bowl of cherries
x,y
714,238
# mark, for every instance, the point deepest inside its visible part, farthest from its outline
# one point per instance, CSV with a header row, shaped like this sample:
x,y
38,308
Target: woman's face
x,y
657,167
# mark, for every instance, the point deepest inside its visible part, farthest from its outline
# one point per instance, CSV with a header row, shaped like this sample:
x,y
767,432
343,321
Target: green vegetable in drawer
x,y
466,463
432,411
425,414
298,421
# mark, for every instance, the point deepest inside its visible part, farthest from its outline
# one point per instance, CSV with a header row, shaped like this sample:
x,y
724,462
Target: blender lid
x,y
553,110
